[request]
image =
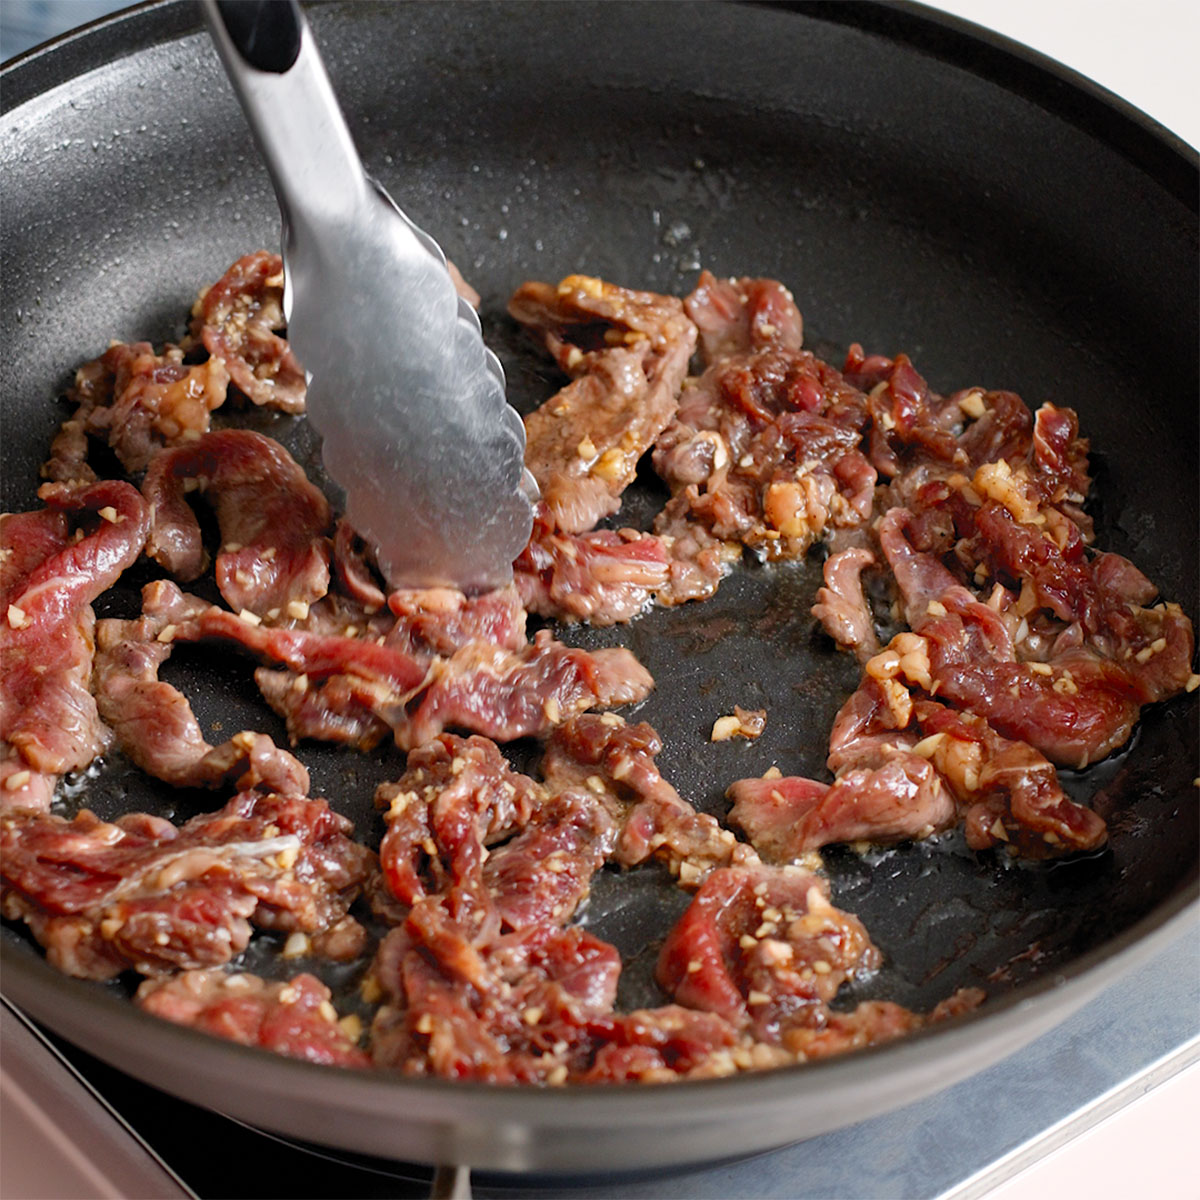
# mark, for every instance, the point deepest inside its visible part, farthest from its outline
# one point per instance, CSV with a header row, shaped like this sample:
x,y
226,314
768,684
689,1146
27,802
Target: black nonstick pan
x,y
920,187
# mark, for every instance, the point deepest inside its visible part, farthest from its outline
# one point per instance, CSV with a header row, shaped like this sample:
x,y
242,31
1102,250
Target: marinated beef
x,y
274,555
296,1017
142,893
153,723
763,451
1020,646
841,606
239,320
603,577
763,945
615,761
137,402
627,354
48,718
354,688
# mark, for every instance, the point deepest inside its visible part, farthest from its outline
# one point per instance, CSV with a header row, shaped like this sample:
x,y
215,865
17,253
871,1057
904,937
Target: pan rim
x,y
1134,944
1069,94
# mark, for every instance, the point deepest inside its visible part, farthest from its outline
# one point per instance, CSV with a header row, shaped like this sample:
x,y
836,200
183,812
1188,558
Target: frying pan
x,y
920,188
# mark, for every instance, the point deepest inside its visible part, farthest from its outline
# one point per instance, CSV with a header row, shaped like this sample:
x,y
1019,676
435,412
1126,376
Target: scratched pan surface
x,y
920,189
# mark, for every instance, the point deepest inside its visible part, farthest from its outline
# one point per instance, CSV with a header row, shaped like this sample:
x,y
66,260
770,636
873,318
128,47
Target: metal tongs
x,y
409,401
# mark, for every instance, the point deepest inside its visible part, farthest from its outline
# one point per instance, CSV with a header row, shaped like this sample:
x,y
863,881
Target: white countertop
x,y
1144,51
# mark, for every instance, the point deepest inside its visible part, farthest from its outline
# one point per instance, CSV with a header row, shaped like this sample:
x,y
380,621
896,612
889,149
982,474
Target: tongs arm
x,y
271,58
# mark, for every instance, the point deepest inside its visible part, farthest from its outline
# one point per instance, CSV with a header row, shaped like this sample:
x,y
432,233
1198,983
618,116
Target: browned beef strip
x,y
295,1017
506,695
627,354
871,1022
841,606
764,449
1009,793
457,799
239,320
505,1008
735,315
138,402
274,555
543,874
142,893
481,687
1076,706
1004,790
602,577
457,796
903,797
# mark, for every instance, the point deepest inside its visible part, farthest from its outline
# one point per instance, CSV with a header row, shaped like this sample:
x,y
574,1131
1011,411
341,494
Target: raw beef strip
x,y
142,893
274,555
48,718
296,1017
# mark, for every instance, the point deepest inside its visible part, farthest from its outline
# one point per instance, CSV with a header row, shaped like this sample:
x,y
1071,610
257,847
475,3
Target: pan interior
x,y
640,143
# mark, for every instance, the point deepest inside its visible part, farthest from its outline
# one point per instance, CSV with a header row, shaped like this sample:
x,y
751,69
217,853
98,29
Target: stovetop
x,y
956,1145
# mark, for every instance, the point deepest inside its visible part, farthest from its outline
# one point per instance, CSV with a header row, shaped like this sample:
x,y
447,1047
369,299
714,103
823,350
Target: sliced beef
x,y
142,893
295,1017
366,685
355,569
461,817
471,1003
274,556
153,723
457,796
763,946
615,761
627,354
440,621
137,402
1076,704
1010,794
48,717
841,606
902,798
737,315
603,577
506,695
908,767
764,449
239,320
870,1023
